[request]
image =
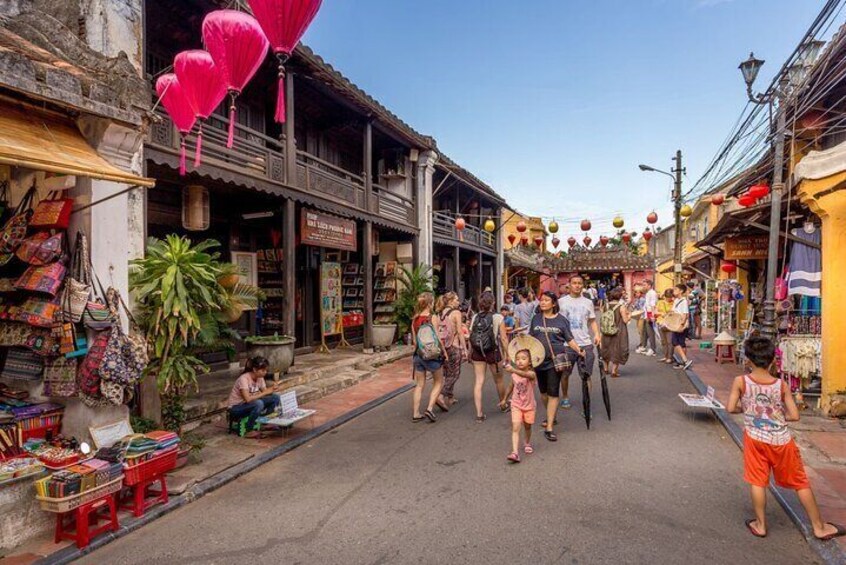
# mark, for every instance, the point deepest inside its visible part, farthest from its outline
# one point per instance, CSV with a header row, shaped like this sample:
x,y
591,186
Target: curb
x,y
829,551
72,553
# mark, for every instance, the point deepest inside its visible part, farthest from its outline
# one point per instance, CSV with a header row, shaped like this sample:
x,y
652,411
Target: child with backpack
x,y
767,405
429,356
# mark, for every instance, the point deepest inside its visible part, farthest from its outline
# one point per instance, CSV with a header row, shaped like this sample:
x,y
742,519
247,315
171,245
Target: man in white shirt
x,y
679,339
581,314
650,307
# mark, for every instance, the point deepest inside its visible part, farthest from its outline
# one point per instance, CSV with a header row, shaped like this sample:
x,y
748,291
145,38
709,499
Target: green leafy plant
x,y
412,283
268,339
142,425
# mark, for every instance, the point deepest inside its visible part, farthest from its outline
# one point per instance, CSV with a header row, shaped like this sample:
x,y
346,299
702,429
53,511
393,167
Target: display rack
x,y
353,297
270,279
384,292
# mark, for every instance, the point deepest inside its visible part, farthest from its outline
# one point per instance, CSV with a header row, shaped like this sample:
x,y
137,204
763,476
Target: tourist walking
x,y
429,356
523,402
487,338
694,301
664,307
553,331
524,311
650,304
615,333
449,330
681,322
581,315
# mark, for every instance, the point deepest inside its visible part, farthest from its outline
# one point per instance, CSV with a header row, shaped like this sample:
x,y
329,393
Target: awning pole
x,y
115,195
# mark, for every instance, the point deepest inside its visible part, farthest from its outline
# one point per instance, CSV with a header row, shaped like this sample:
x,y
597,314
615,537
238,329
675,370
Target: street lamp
x,y
676,175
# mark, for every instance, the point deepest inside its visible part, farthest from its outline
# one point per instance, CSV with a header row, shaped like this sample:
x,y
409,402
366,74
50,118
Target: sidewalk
x,y
822,440
226,457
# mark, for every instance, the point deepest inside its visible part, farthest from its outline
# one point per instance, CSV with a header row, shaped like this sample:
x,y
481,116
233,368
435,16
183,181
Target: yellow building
x,y
535,228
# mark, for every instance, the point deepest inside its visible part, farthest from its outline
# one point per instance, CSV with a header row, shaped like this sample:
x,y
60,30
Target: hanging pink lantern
x,y
238,46
555,242
538,241
203,87
460,224
647,235
524,239
587,241
571,242
284,22
173,98
512,238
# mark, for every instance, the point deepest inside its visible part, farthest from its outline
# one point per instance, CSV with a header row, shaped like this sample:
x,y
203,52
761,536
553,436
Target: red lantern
x,y
647,235
718,199
758,191
603,241
538,240
203,85
728,267
238,46
627,237
511,239
524,239
460,224
571,242
652,218
174,101
587,240
284,22
473,261
521,226
555,242
746,200
586,225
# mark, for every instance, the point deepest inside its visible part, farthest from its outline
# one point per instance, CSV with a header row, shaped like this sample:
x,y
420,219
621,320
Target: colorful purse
x,y
38,311
78,283
14,231
89,371
46,279
22,364
60,378
52,213
125,357
41,248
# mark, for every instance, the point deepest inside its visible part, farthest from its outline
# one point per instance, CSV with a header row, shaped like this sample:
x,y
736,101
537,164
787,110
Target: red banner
x,y
322,230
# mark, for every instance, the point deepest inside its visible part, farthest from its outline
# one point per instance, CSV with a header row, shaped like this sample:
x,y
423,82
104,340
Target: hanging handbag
x,y
781,286
60,378
38,311
46,279
52,213
41,248
98,316
4,200
125,357
66,334
22,364
77,283
14,231
89,371
561,362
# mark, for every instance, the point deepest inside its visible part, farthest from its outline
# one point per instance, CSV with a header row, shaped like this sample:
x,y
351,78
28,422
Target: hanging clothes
x,y
805,276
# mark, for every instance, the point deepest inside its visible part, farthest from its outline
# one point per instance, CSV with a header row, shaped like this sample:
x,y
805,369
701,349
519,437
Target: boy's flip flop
x,y
841,531
753,531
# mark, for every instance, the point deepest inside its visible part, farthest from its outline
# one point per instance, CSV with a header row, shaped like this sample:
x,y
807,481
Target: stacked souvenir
x,y
20,467
21,420
142,448
78,479
55,454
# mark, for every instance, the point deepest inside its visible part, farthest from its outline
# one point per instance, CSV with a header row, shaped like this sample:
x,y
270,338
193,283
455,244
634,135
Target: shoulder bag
x,y
52,213
125,357
78,283
60,378
560,361
14,231
22,364
41,248
97,316
46,279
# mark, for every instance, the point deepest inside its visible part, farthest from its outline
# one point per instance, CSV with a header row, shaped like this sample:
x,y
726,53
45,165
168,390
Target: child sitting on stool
x,y
251,398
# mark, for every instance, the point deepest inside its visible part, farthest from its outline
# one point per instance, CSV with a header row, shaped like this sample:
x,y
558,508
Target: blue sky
x,y
555,102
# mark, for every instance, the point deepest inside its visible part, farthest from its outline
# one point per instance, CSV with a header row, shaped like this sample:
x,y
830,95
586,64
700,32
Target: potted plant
x,y
277,349
412,283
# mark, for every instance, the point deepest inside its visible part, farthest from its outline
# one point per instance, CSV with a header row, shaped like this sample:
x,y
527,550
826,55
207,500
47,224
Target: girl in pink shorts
x,y
523,403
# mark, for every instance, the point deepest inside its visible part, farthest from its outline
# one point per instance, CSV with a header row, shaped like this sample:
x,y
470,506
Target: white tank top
x,y
763,412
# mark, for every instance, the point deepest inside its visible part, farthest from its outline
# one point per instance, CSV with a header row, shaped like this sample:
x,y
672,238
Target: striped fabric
x,y
805,277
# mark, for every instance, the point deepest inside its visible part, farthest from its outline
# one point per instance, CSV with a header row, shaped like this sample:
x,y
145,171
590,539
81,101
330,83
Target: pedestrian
x,y
508,300
615,333
487,335
767,405
694,300
602,293
650,304
429,356
552,329
524,311
679,338
664,307
251,398
523,402
637,311
508,320
449,329
563,289
581,315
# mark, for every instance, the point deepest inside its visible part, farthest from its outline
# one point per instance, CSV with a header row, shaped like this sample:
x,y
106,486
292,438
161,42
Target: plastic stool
x,y
141,500
83,517
725,354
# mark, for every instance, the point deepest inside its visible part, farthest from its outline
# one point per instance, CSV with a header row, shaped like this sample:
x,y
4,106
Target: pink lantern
x,y
284,22
587,241
173,98
238,45
203,86
555,242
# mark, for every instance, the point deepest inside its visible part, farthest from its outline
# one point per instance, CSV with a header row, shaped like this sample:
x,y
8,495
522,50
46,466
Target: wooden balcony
x,y
443,227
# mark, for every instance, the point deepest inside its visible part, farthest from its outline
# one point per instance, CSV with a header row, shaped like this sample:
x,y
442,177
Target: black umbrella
x,y
586,399
606,398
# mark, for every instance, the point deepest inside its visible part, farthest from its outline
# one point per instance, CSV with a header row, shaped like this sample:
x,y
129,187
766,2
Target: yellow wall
x,y
663,280
510,218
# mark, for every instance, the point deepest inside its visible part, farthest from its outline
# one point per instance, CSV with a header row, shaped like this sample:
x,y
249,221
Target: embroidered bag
x,y
78,283
66,334
38,311
22,364
89,371
14,231
125,357
46,279
4,199
41,248
98,316
52,213
60,377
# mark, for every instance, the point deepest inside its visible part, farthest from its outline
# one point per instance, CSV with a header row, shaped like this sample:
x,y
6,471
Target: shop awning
x,y
45,141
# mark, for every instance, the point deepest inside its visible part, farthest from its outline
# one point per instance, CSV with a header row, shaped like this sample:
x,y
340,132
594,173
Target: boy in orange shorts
x,y
523,403
767,406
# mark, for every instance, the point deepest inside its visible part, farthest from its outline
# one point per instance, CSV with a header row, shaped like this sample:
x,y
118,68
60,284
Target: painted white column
x,y
425,174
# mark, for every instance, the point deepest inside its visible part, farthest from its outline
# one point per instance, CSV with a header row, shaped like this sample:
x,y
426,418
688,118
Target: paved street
x,y
651,486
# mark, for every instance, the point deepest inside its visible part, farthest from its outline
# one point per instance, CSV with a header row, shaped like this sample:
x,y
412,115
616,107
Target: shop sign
x,y
747,247
322,230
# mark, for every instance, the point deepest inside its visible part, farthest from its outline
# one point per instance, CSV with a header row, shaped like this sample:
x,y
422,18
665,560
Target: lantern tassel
x,y
199,151
281,59
231,139
182,155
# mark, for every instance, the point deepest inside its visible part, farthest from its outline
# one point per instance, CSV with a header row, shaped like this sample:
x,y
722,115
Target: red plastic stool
x,y
83,517
140,497
725,354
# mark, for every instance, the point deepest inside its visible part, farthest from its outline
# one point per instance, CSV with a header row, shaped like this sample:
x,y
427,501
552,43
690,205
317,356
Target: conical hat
x,y
535,348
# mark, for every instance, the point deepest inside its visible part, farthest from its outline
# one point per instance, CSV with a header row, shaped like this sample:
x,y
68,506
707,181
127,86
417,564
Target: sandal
x,y
482,418
529,449
442,405
430,415
841,531
550,436
545,422
505,406
755,532
513,457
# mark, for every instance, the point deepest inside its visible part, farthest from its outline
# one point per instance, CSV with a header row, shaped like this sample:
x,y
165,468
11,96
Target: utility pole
x,y
677,205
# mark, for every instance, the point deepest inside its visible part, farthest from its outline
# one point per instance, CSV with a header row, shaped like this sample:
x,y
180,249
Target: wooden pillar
x,y
456,260
368,166
290,137
289,247
479,275
367,259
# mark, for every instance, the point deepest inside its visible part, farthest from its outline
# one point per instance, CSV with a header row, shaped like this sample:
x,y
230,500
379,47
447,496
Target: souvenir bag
x,y
125,357
14,231
41,248
4,199
560,361
78,282
42,342
65,333
7,285
46,279
60,377
52,213
22,364
98,316
88,377
781,286
38,311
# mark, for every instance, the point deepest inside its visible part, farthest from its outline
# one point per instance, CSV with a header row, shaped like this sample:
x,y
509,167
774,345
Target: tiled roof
x,y
603,259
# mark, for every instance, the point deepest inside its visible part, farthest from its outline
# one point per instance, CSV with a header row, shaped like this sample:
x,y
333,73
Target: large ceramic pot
x,y
383,334
278,350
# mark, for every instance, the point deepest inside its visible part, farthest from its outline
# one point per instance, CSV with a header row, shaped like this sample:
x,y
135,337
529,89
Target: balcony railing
x,y
317,175
393,206
443,226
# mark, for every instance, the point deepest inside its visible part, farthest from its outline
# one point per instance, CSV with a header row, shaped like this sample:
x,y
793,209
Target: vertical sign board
x,y
331,310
